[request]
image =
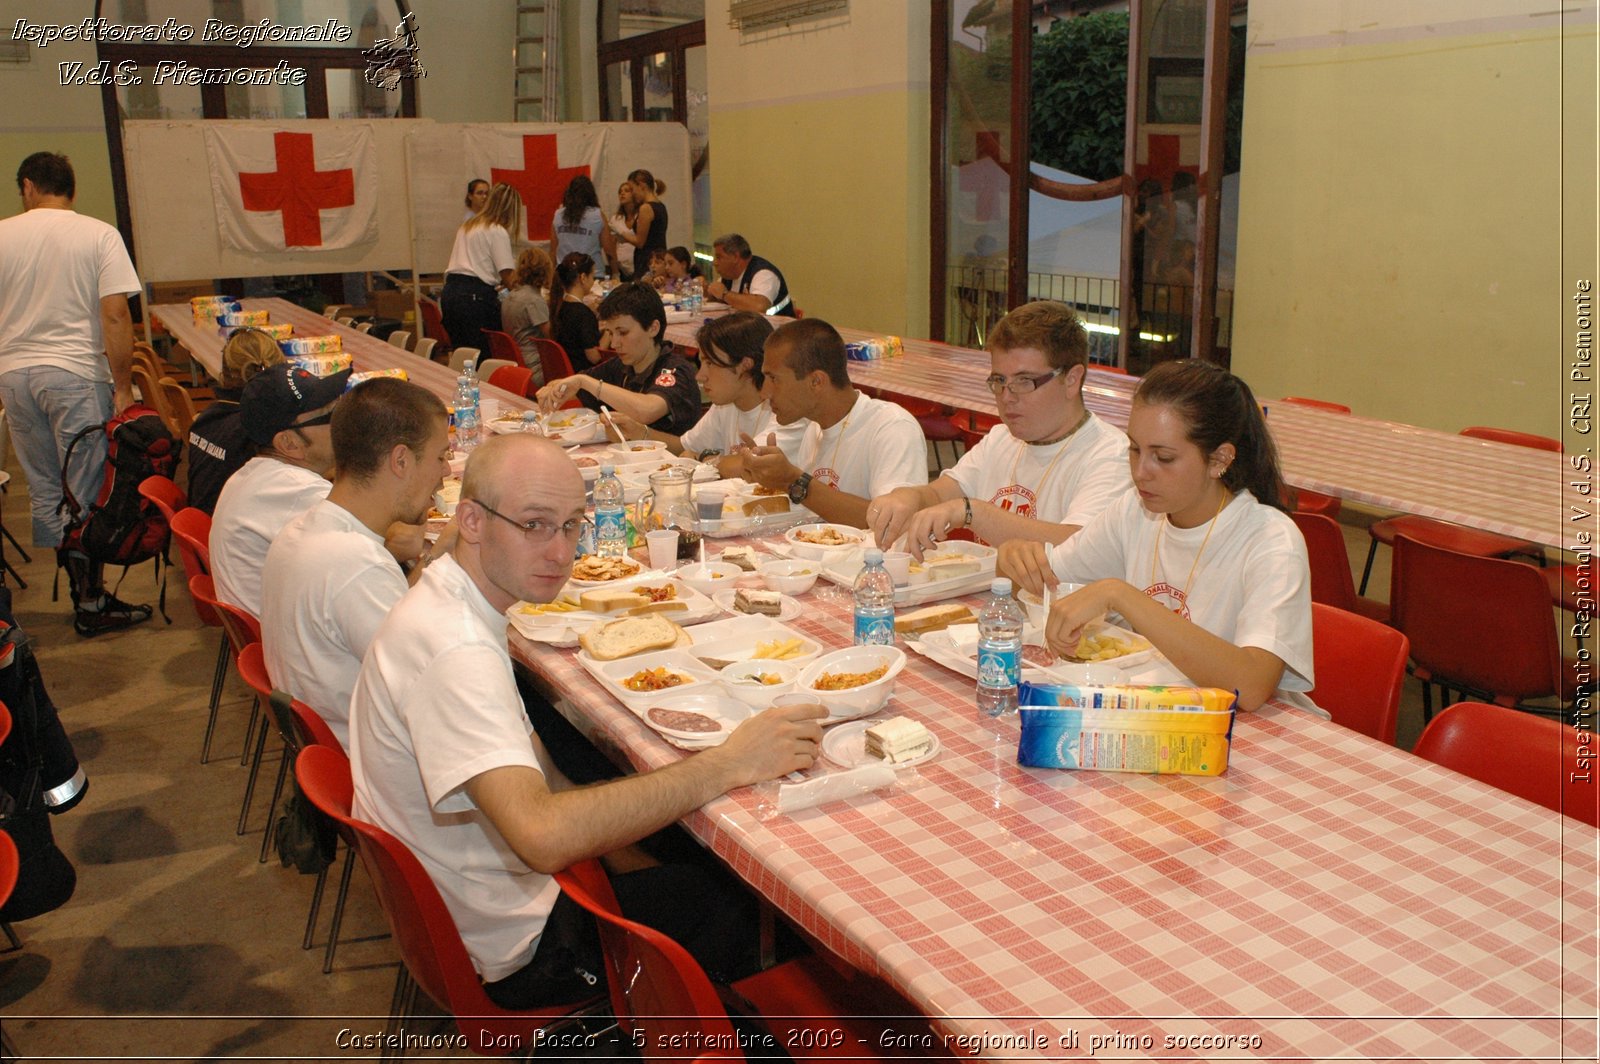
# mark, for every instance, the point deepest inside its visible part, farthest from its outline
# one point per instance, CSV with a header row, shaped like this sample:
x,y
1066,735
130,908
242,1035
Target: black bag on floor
x,y
39,775
304,837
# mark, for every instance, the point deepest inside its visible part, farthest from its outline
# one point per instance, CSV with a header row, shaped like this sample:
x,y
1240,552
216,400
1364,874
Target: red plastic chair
x,y
10,868
433,323
433,957
518,380
1361,667
554,365
1457,537
191,530
1531,757
504,345
240,629
164,494
935,421
663,997
1478,625
1320,404
972,426
1331,580
1513,437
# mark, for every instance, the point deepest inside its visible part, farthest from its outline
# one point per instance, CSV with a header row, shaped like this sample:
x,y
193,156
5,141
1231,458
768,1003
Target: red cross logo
x,y
298,189
540,182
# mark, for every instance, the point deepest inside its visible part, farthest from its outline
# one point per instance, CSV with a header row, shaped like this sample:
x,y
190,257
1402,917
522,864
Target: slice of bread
x,y
609,600
627,636
767,504
952,569
932,618
668,606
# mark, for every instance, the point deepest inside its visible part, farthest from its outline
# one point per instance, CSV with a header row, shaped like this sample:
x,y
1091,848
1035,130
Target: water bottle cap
x,y
607,470
1001,586
873,556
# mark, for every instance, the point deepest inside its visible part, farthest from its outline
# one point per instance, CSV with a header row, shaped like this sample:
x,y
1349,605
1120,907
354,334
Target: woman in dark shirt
x,y
572,324
648,380
648,233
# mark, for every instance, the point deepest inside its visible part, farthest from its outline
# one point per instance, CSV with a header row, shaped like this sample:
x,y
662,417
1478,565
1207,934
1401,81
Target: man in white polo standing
x,y
66,353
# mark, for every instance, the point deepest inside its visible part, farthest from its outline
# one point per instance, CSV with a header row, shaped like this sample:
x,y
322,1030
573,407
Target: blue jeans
x,y
46,407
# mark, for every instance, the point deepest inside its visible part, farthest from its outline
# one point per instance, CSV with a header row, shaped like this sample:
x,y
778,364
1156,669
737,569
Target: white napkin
x,y
835,786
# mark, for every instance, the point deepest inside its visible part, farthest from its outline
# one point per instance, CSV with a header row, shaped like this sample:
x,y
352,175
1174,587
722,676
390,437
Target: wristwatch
x,y
800,489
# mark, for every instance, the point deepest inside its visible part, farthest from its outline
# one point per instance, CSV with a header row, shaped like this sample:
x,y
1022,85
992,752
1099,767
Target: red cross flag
x,y
537,165
282,191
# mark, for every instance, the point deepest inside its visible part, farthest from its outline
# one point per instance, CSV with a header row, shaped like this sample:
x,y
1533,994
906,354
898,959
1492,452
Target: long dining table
x,y
1515,491
1327,897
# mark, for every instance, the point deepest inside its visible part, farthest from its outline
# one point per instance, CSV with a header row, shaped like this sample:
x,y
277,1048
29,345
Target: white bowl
x,y
853,701
853,539
736,679
448,495
709,577
635,451
788,577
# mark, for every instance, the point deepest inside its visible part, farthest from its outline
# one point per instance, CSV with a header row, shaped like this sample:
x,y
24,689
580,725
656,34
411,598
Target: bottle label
x,y
874,631
999,668
610,524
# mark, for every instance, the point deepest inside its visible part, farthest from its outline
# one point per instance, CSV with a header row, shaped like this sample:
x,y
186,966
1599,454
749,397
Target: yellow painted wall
x,y
819,149
1401,209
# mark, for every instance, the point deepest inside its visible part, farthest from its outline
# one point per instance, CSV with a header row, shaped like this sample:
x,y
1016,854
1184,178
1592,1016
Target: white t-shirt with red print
x,y
1064,483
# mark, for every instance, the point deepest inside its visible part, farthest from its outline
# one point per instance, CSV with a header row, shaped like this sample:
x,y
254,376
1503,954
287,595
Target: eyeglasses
x,y
1021,384
540,531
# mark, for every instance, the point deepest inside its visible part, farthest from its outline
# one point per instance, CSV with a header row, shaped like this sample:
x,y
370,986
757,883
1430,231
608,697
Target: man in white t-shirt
x,y
66,356
445,759
286,412
329,580
1040,474
856,448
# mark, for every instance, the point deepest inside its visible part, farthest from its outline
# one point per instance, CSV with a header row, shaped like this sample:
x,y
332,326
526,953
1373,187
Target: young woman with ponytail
x,y
1198,558
648,233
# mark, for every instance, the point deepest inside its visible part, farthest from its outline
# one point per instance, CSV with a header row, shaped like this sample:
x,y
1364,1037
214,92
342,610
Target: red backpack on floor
x,y
121,527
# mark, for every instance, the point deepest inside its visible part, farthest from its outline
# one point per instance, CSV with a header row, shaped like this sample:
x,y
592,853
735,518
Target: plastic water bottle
x,y
874,596
467,426
470,367
610,519
999,651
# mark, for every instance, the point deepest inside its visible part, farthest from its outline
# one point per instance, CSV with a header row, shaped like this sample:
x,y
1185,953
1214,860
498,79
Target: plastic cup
x,y
708,505
663,546
808,698
898,562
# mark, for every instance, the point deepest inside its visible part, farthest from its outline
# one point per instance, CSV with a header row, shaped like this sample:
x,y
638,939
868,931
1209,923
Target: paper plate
x,y
846,746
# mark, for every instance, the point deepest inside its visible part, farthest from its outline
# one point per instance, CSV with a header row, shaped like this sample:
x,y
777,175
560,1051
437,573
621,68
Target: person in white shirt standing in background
x,y
66,357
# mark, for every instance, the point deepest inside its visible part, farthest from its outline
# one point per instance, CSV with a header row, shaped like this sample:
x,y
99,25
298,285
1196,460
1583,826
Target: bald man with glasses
x,y
1048,467
445,759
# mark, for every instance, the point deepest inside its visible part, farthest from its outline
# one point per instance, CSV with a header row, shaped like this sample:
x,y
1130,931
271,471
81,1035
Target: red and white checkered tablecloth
x,y
1329,895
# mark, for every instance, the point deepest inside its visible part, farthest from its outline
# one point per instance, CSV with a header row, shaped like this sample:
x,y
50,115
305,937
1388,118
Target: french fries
x,y
778,649
564,605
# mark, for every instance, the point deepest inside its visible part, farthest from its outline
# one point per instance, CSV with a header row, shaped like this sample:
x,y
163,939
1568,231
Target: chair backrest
x,y
149,385
5,726
164,494
1530,756
1513,437
401,339
658,990
10,866
433,322
1320,404
553,360
180,406
192,528
504,345
242,628
424,348
1483,624
253,669
1331,580
333,310
1361,667
518,380
430,946
459,357
365,327
310,728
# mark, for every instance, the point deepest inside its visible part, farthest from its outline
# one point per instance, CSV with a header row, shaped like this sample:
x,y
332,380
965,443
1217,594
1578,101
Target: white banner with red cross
x,y
287,190
538,165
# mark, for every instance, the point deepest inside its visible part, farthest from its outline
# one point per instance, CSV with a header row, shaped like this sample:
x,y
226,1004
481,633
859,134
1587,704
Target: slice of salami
x,y
683,720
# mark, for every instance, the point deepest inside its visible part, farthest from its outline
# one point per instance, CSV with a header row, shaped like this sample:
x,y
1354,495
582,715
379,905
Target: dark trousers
x,y
700,909
468,306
